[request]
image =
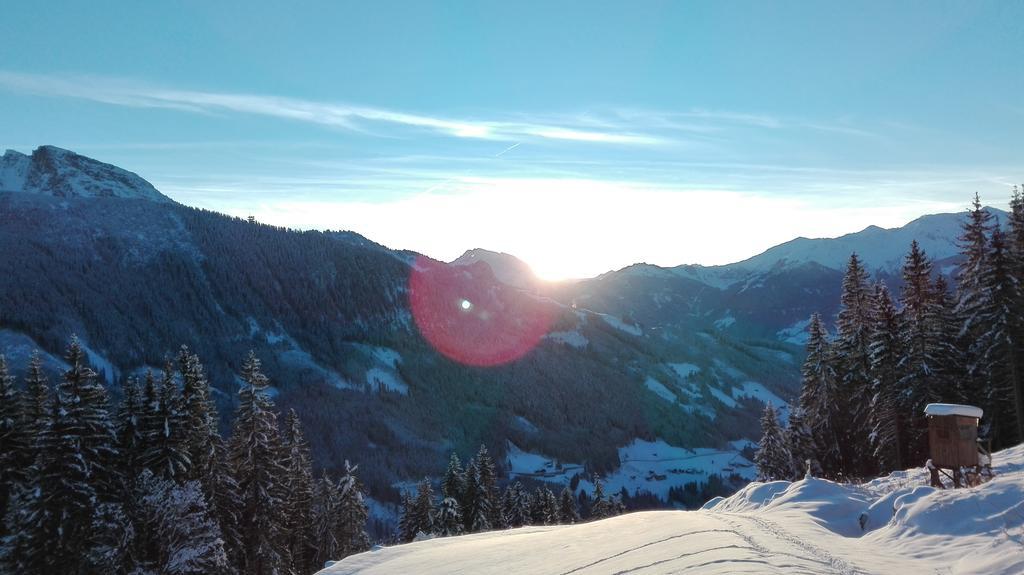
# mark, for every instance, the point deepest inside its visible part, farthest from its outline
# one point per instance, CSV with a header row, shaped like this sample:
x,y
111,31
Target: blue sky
x,y
581,136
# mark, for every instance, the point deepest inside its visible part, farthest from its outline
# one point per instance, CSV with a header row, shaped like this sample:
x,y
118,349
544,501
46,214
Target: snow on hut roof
x,y
953,409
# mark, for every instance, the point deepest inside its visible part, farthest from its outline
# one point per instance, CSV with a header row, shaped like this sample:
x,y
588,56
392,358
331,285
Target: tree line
x,y
864,390
471,502
153,488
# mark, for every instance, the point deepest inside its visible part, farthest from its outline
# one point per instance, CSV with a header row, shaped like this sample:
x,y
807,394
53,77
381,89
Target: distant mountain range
x,y
645,356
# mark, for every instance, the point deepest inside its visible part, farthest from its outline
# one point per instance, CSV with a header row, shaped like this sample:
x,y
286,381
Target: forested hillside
x,y
330,315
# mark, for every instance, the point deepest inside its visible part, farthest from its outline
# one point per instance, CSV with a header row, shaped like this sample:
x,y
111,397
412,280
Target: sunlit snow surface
x,y
810,526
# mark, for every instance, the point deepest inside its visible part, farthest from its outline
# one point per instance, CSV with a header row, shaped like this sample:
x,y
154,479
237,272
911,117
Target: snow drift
x,y
894,524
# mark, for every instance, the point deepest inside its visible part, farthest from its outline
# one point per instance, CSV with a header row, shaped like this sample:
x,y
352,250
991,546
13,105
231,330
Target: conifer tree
x,y
948,357
406,520
996,347
568,512
421,519
37,404
601,507
488,481
182,536
1015,255
919,367
326,509
448,518
801,446
772,458
972,299
129,436
50,524
204,447
515,506
548,505
352,515
888,412
86,408
298,504
255,457
14,448
853,366
166,453
477,510
199,416
149,419
817,398
454,482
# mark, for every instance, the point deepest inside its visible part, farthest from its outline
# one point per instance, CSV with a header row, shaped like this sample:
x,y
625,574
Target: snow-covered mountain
x,y
507,268
880,249
58,172
896,524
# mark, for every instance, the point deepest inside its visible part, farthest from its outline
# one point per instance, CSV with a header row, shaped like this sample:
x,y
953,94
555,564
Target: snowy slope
x,y
65,174
810,526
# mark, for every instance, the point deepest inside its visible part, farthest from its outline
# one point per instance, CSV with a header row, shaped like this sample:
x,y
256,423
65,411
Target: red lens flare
x,y
472,321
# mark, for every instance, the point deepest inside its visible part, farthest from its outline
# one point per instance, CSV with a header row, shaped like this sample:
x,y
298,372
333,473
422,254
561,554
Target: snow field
x,y
811,526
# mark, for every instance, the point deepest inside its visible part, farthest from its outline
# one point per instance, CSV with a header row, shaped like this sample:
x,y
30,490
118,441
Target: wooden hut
x,y
953,442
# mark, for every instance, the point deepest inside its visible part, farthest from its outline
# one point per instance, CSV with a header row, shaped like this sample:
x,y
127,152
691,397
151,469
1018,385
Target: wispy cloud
x,y
120,92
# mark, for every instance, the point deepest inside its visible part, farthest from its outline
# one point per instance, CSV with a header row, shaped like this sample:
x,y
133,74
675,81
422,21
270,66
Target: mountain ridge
x,y
58,172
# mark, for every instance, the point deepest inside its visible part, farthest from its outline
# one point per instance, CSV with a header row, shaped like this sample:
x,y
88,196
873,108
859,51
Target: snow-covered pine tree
x,y
972,299
50,524
37,403
86,408
853,365
256,458
182,536
536,504
1015,252
407,520
224,500
549,505
448,518
888,411
772,458
113,535
206,450
477,511
568,512
129,436
996,347
515,506
921,347
149,419
15,453
166,452
488,478
326,502
800,443
818,390
601,507
199,414
298,504
422,512
352,514
454,482
948,357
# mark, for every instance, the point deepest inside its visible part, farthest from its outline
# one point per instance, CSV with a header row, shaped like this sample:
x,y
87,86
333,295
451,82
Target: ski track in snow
x,y
772,529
